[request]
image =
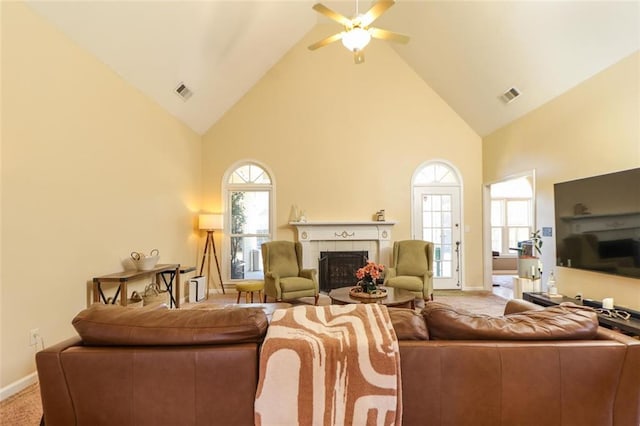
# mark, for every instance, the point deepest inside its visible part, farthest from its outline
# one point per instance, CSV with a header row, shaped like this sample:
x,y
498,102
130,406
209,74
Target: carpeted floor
x,y
25,408
483,302
478,302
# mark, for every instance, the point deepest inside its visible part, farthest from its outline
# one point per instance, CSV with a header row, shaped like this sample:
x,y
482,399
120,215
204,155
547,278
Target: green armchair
x,y
284,277
412,268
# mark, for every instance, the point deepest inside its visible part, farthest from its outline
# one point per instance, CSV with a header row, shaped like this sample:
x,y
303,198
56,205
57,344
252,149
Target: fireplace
x,y
338,268
317,237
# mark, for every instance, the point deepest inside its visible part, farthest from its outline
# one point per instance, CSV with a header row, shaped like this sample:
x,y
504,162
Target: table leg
x,y
169,286
96,295
124,298
177,301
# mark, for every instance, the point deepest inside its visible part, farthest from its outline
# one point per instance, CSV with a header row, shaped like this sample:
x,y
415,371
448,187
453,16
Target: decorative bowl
x,y
146,263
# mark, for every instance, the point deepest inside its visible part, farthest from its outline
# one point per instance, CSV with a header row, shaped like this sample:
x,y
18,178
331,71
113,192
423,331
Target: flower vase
x,y
368,286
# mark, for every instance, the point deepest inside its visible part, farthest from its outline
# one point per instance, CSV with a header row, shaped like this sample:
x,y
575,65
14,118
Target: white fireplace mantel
x,y
372,236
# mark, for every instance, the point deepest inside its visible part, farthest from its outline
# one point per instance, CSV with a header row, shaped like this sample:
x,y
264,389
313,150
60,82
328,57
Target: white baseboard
x,y
15,387
467,288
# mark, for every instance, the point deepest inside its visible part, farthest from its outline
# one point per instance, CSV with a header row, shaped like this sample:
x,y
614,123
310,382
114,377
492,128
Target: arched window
x,y
248,188
436,174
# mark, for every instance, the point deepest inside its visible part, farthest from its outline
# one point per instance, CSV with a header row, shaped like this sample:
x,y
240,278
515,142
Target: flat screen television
x,y
598,223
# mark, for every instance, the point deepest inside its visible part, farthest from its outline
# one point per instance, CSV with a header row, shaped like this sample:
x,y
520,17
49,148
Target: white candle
x,y
533,271
607,303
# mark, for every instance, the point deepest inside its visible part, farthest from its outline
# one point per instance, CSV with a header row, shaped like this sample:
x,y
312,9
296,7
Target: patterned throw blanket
x,y
330,365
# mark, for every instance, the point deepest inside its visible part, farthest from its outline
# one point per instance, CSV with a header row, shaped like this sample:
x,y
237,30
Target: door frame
x,y
486,220
460,184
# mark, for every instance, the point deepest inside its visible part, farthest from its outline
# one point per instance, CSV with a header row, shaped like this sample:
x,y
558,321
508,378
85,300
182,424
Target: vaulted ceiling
x,y
468,52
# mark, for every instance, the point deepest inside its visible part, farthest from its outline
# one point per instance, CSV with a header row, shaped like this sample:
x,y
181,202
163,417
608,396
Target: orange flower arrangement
x,y
370,272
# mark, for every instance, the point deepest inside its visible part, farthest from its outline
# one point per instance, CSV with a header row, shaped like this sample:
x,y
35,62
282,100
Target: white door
x,y
437,219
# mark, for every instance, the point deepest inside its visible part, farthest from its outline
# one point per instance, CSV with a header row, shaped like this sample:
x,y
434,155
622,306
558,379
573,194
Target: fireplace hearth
x,y
338,268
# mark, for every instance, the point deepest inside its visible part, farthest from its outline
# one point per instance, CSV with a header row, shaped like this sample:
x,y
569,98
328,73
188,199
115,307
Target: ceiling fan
x,y
357,32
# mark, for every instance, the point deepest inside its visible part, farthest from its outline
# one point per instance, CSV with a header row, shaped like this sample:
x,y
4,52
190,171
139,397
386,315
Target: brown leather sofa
x,y
140,366
169,367
575,380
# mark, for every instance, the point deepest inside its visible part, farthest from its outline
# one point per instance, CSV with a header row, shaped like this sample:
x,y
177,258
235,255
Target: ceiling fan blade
x,y
325,41
358,57
376,10
388,35
341,19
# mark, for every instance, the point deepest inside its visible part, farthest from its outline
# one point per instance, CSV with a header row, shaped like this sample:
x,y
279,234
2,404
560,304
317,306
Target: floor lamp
x,y
210,222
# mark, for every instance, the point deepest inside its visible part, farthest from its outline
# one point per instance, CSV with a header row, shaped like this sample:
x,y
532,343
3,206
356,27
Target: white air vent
x,y
510,95
183,91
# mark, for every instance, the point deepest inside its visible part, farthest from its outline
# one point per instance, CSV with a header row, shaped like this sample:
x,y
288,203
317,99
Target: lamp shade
x,y
210,221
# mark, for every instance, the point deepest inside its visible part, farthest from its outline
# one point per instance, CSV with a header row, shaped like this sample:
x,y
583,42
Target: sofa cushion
x,y
564,322
408,324
291,284
115,325
407,282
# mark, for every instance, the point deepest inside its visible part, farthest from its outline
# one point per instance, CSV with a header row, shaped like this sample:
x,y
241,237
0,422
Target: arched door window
x,y
437,218
249,200
436,174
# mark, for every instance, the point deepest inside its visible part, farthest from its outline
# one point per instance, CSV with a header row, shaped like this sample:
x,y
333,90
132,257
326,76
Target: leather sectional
x,y
531,366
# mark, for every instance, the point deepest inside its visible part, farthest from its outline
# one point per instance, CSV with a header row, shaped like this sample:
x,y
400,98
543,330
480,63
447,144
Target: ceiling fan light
x,y
356,39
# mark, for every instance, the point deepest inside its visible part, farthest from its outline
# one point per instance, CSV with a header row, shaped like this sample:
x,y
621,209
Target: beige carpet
x,y
25,408
480,302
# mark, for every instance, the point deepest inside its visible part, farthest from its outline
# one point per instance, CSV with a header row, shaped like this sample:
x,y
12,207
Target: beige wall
x,y
91,170
592,129
343,140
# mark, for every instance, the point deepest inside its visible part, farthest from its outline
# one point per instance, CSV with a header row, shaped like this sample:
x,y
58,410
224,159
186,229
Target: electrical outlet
x,y
34,336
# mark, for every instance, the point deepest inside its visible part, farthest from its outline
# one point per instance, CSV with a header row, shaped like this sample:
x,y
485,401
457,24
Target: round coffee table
x,y
395,297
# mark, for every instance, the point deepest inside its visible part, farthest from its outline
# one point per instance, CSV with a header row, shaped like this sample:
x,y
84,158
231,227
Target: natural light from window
x,y
511,214
249,194
435,174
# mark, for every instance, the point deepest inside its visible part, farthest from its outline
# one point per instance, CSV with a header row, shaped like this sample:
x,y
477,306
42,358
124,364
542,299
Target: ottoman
x,y
250,287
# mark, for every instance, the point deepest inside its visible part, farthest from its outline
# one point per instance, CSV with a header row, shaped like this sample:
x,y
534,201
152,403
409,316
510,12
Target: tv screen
x,y
598,223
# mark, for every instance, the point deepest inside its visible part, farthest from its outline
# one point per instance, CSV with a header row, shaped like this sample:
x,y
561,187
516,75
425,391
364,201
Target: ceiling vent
x,y
183,91
510,95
